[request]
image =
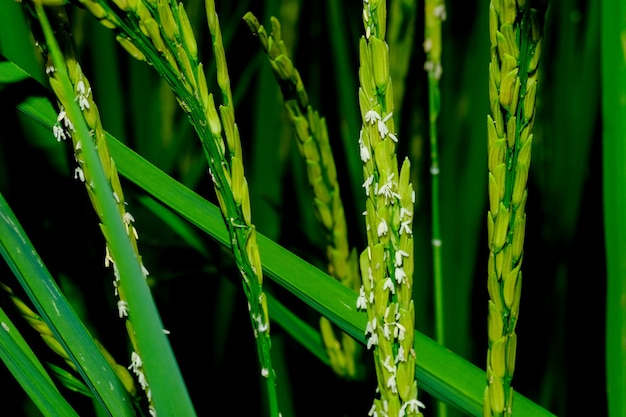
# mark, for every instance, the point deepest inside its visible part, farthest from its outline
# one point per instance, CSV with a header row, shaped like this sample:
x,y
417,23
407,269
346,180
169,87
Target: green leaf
x,y
69,381
29,372
11,73
613,53
50,303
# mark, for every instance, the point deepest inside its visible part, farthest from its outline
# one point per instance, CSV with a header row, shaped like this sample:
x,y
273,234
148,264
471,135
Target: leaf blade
x,y
54,309
29,372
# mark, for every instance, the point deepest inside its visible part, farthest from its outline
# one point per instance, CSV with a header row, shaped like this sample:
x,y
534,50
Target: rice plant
x,y
322,222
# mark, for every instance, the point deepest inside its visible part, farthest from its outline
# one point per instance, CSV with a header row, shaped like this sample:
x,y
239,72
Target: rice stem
x,y
314,146
434,14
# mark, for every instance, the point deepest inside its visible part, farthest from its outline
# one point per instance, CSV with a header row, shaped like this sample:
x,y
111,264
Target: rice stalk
x,y
434,14
63,130
271,148
314,147
250,264
400,37
515,30
160,33
387,262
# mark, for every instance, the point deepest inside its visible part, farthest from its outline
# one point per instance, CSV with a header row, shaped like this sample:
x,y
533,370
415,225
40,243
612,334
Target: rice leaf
x,y
29,372
613,59
23,260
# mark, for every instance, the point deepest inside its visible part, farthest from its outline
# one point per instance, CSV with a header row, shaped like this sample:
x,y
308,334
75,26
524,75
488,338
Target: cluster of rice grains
x,y
387,262
314,147
515,32
159,32
64,129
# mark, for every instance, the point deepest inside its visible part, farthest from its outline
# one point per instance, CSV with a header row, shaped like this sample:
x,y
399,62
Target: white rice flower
x,y
412,406
368,182
122,308
364,152
372,341
361,301
382,228
389,285
400,275
399,255
391,384
372,116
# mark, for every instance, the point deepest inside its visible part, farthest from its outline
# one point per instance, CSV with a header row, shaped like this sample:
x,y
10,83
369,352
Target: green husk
x,y
81,122
515,33
387,262
314,146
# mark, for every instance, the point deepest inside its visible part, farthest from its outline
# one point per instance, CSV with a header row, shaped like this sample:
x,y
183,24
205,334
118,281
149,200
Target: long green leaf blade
x,y
50,303
29,372
613,52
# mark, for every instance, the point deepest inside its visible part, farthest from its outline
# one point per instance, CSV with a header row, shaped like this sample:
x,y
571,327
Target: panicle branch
x,y
515,32
387,262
